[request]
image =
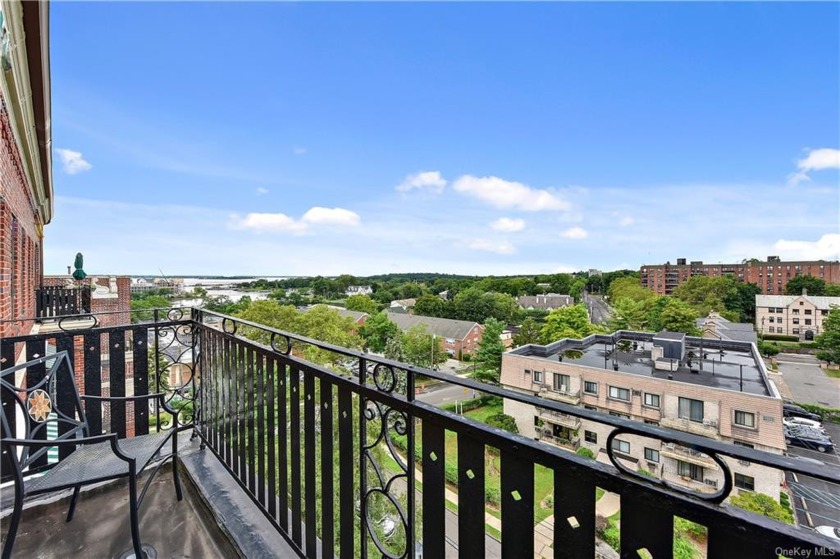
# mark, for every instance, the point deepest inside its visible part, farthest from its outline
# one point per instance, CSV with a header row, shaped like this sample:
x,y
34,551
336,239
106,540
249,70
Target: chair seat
x,y
96,461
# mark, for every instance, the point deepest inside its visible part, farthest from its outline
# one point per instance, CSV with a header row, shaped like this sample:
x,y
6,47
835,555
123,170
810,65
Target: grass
x,y
834,373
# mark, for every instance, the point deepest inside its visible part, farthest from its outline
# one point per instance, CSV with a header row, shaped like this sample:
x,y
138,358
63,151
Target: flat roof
x,y
728,365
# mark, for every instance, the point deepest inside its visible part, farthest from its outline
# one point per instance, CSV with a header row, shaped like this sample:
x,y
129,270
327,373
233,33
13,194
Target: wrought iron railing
x,y
55,301
331,458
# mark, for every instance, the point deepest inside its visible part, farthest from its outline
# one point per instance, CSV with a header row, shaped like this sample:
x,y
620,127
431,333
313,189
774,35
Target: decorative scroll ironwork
x,y
717,497
175,351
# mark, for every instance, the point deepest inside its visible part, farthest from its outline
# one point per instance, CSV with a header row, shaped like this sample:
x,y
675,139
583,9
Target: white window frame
x,y
614,392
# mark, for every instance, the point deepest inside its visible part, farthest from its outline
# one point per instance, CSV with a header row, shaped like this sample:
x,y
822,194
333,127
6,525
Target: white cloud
x,y
261,190
508,194
626,221
282,223
73,162
508,225
816,160
826,247
331,216
427,180
267,222
502,247
299,150
575,233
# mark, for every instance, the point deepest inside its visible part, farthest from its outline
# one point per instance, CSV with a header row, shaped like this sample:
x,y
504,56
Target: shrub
x,y
493,495
586,453
644,472
781,338
612,536
828,414
696,531
503,421
762,504
683,548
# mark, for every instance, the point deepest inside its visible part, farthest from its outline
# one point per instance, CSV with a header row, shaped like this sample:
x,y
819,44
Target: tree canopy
x,y
567,322
829,340
377,330
815,286
488,357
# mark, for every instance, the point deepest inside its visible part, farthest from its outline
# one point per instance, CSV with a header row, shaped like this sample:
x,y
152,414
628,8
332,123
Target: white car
x,y
802,421
829,531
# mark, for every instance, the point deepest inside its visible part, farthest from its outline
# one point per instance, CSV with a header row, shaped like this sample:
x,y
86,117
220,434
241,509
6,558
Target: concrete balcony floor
x,y
210,521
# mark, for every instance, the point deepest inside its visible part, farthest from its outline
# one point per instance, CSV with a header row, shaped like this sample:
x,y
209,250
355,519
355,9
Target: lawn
x,y
835,373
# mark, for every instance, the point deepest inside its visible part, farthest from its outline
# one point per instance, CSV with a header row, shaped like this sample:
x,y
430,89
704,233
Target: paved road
x,y
599,311
816,502
807,382
445,394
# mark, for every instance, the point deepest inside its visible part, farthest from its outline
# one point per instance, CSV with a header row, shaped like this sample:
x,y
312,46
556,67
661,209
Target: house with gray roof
x,y
460,337
715,326
547,302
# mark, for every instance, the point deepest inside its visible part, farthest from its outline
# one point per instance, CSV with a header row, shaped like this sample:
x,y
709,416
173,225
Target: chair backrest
x,y
45,394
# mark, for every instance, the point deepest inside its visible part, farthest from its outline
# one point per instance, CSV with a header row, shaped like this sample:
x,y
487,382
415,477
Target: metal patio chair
x,y
85,458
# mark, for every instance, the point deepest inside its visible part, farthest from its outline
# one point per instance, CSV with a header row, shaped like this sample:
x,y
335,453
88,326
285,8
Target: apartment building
x,y
771,276
26,191
460,337
713,388
792,315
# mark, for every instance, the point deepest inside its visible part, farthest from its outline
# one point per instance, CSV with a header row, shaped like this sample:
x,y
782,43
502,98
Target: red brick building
x,y
26,190
771,276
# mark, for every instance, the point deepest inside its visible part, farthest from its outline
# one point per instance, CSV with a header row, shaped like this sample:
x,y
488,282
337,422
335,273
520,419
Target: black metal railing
x,y
332,458
55,301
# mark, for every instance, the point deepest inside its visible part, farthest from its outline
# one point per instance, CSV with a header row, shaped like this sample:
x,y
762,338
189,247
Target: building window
x,y
621,446
538,376
808,311
651,455
651,422
745,445
651,400
619,393
691,409
771,329
744,419
807,322
778,310
692,471
619,414
590,437
796,321
796,330
561,383
590,408
772,320
744,482
590,387
795,311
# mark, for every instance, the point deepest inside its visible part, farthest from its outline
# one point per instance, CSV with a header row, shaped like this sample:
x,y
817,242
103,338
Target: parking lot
x,y
816,502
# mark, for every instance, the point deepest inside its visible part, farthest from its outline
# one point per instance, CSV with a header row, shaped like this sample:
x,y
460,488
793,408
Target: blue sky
x,y
295,138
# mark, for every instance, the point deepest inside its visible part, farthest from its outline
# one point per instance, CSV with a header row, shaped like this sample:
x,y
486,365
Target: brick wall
x,y
20,239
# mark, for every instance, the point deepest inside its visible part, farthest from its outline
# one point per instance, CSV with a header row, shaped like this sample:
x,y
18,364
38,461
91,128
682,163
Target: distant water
x,y
222,288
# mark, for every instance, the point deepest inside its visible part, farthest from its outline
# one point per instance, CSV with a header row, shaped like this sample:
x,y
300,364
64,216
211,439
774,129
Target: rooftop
x,y
727,365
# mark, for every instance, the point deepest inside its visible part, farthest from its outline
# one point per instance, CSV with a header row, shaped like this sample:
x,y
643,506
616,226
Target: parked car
x,y
829,531
808,439
801,421
806,429
792,410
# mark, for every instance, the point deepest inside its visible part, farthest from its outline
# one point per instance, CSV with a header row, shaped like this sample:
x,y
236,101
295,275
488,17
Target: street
x,y
807,382
599,311
445,393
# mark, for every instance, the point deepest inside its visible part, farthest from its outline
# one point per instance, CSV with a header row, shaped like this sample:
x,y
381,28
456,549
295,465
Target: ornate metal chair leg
x,y
14,521
176,477
134,515
73,500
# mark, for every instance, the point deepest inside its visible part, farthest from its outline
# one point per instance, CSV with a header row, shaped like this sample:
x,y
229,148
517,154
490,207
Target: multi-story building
x,y
657,379
547,302
771,276
792,315
26,190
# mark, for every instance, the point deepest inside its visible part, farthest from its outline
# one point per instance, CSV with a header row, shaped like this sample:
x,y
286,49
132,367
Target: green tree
x,y
325,324
269,313
567,322
630,288
473,304
529,333
629,314
742,300
832,290
488,357
144,307
815,286
432,305
421,348
762,504
678,316
503,421
829,340
362,303
377,330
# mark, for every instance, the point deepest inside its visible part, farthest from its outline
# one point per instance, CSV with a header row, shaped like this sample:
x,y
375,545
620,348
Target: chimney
x,y
804,291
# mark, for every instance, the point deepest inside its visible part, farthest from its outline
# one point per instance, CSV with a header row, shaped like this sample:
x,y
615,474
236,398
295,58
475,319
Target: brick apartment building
x,y
771,276
26,189
656,379
460,337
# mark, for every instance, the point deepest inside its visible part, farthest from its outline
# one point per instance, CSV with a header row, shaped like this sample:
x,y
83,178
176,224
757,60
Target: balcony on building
x,y
281,457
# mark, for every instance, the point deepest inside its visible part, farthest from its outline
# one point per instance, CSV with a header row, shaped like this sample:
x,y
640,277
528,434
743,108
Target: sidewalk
x,y
606,506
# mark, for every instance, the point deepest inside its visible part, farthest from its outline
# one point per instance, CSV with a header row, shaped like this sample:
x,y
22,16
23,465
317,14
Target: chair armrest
x,y
158,395
96,439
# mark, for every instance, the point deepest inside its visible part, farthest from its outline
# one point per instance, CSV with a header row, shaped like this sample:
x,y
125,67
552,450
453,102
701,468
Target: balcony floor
x,y
189,528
